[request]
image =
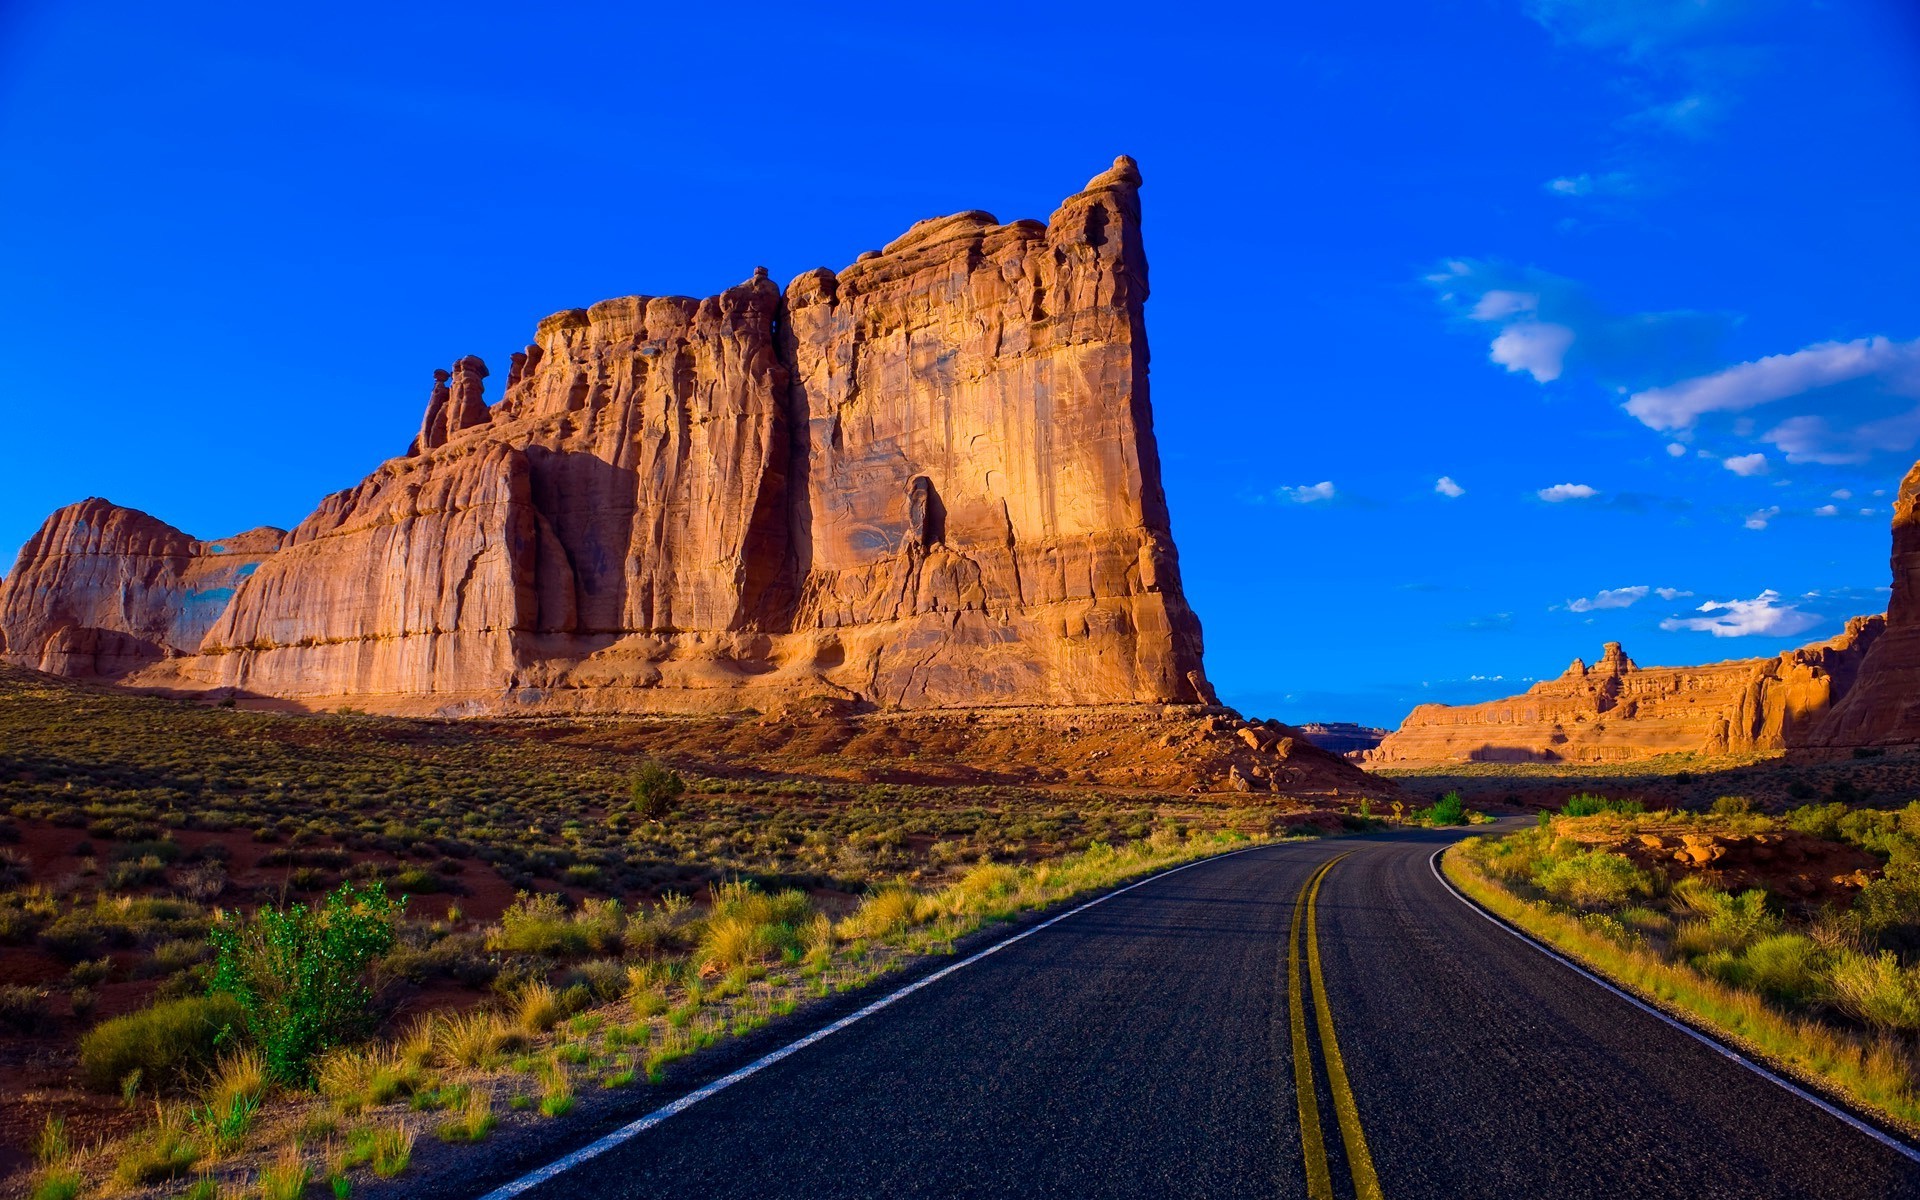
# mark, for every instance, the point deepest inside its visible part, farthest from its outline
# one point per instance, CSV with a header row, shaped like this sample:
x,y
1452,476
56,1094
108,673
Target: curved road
x,y
1146,1047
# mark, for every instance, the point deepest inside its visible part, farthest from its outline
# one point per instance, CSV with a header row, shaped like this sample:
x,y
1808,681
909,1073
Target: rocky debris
x,y
101,590
1883,706
1798,867
928,480
1618,711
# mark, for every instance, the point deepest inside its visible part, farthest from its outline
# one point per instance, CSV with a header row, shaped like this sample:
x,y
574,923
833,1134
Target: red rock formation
x,y
103,590
1617,711
1883,706
926,481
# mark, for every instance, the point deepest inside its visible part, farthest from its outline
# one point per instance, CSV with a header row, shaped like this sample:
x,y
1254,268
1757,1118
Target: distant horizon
x,y
1530,327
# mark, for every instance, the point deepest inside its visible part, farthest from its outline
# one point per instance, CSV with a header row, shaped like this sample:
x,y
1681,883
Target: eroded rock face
x,y
102,591
1617,711
1883,706
926,481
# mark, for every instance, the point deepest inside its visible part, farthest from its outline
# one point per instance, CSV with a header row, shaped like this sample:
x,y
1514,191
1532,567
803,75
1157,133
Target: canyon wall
x,y
101,590
1618,711
1883,706
928,480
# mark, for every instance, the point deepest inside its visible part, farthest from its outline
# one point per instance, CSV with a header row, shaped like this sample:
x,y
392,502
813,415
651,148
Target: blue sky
x,y
1636,280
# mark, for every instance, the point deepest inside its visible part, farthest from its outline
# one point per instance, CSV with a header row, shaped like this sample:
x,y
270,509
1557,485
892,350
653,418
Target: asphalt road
x,y
1145,1047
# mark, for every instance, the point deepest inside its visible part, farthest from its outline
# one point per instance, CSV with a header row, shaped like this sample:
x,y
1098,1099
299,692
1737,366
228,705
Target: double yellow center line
x,y
1313,1147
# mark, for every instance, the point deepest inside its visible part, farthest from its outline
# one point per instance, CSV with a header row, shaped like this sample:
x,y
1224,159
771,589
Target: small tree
x,y
298,972
655,789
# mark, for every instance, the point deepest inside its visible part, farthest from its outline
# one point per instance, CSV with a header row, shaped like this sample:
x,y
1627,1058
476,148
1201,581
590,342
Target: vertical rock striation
x,y
1883,706
926,481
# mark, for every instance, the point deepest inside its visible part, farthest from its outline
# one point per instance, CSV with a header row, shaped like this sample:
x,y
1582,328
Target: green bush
x,y
654,789
1593,878
1587,805
1878,990
540,924
1781,966
298,972
1449,809
167,1043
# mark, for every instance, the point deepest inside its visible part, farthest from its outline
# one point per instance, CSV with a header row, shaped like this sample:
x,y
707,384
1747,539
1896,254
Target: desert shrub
x,y
1449,809
476,1038
166,1043
746,925
1782,966
164,1151
1817,820
297,972
604,978
136,872
15,868
286,1177
1890,905
653,790
1876,989
1515,858
1593,878
1736,920
538,1008
1728,806
174,954
354,1079
882,913
1588,805
233,1095
540,924
23,1008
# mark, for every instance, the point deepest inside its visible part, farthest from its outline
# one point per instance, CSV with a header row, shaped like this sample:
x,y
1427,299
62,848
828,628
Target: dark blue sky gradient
x,y
235,241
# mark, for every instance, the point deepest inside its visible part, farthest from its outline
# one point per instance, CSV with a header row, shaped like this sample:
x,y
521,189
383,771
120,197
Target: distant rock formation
x,y
1342,737
1883,706
102,590
926,481
1617,711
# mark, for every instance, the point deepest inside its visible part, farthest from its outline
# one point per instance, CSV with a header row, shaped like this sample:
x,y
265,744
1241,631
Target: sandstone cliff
x,y
1883,706
101,590
1618,711
928,480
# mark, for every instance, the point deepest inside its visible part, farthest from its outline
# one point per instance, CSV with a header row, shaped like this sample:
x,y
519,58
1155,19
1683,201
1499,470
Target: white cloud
x,y
1670,593
1813,438
1842,494
1545,325
1448,488
1537,347
1747,464
1624,597
1567,491
1826,510
1888,366
1676,450
1763,615
1309,492
1867,512
1758,520
1612,183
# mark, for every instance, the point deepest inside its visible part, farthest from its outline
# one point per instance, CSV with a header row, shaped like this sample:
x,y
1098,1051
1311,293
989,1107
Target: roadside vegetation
x,y
1796,935
279,955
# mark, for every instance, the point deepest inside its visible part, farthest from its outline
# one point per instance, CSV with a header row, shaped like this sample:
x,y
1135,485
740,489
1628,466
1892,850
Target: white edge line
x,y
626,1133
1832,1110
